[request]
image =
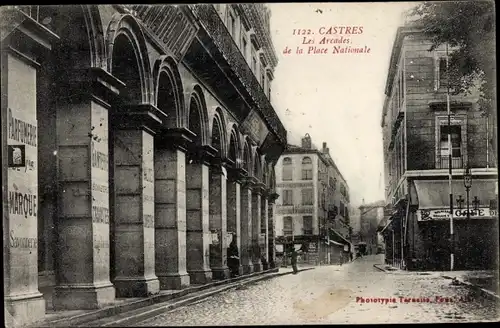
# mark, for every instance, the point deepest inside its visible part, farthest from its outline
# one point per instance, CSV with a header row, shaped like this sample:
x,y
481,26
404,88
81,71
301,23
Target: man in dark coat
x,y
233,259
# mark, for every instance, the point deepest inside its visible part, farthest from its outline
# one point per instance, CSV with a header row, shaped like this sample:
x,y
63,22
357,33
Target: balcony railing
x,y
443,162
31,11
216,28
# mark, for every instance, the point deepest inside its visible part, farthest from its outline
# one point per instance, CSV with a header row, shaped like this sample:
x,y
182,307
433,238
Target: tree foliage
x,y
468,28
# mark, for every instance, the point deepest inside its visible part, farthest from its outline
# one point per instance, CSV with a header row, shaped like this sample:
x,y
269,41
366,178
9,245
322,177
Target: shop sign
x,y
460,214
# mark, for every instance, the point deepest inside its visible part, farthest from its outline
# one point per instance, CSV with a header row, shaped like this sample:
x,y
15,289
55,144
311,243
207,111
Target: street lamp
x,y
467,185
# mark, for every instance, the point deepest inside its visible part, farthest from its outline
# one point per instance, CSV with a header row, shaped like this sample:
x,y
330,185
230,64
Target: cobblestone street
x,y
331,294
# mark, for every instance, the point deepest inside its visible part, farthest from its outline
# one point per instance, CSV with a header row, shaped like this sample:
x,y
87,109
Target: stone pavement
x,y
353,293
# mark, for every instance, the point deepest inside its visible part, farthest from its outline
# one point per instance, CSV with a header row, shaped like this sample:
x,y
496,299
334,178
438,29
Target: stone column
x,y
83,218
256,221
134,221
272,229
234,207
170,209
198,238
218,222
23,303
265,227
246,226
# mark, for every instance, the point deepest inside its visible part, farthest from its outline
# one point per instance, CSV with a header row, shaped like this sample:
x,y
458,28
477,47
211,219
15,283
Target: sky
x,y
337,98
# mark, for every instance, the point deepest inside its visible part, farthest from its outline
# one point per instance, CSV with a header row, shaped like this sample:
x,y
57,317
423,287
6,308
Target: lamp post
x,y
467,185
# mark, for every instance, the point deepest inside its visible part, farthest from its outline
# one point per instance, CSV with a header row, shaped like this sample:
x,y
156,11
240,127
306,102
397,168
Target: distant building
x,y
415,127
370,215
312,190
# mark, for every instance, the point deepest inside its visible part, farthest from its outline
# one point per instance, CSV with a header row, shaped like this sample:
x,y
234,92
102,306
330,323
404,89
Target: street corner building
x,y
420,167
312,211
137,141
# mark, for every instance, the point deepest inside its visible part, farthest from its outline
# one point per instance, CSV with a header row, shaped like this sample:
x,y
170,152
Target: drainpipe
x,y
487,142
393,247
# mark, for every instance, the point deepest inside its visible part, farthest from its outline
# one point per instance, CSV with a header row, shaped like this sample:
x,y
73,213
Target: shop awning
x,y
434,194
342,239
335,243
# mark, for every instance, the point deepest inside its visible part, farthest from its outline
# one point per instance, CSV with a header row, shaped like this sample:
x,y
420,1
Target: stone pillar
x,y
23,303
218,222
272,229
256,221
246,227
170,211
83,231
134,221
234,208
198,238
265,226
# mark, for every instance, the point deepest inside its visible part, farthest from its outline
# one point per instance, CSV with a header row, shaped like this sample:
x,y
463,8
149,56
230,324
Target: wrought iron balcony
x,y
215,27
443,162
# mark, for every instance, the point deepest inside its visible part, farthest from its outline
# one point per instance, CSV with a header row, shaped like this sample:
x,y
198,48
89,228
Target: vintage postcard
x,y
249,164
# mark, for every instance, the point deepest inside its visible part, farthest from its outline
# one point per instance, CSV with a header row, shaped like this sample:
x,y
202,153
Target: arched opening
x,y
257,170
125,67
169,91
217,137
247,159
195,122
166,96
233,150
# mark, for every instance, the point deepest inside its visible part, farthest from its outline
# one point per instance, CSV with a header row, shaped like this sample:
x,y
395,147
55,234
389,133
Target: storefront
x,y
475,231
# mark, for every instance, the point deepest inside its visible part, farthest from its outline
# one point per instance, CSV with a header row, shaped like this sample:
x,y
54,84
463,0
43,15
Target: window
x,y
263,80
307,196
342,209
441,75
232,25
287,197
254,61
243,45
456,149
287,226
269,91
308,225
287,169
307,168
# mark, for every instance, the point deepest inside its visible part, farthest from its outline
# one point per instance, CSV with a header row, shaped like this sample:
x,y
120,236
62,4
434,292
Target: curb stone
x,y
482,291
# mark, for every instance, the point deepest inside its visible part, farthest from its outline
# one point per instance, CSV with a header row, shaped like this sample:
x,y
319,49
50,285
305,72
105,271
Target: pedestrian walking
x,y
233,261
294,254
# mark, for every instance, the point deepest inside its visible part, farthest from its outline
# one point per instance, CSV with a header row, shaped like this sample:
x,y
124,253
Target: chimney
x,y
324,148
306,141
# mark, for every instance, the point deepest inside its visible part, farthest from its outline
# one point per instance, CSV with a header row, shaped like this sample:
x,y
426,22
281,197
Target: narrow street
x,y
331,294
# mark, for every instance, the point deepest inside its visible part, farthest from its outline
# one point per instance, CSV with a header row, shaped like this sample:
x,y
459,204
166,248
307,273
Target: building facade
x,y
140,141
313,207
417,164
370,217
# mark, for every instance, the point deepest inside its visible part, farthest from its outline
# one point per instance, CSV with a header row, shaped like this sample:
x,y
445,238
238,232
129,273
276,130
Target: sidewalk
x,y
482,281
132,309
